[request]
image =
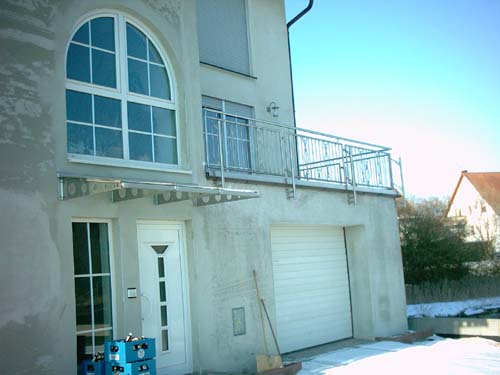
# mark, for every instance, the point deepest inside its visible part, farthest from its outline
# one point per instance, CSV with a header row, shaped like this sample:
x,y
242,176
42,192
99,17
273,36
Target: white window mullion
x,y
122,58
152,131
91,282
93,126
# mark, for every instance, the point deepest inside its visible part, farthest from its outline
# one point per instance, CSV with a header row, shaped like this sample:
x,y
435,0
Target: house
x,y
476,199
150,163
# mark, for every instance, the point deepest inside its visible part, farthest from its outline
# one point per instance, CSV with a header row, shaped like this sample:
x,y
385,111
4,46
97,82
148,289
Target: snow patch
x,y
444,309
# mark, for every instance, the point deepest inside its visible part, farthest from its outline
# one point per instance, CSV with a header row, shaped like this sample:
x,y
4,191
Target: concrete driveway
x,y
433,356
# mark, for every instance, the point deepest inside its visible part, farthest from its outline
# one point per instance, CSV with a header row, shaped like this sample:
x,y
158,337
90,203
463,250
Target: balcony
x,y
257,150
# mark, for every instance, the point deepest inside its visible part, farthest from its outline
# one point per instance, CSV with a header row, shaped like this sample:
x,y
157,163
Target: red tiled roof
x,y
488,186
486,183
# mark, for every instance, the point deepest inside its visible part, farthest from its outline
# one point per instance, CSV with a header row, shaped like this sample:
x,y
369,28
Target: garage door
x,y
311,286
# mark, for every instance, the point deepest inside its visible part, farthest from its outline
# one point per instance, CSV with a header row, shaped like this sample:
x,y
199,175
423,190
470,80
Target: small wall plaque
x,y
239,326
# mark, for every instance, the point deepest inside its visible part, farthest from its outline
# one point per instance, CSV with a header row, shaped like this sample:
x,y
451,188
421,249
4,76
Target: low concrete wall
x,y
458,326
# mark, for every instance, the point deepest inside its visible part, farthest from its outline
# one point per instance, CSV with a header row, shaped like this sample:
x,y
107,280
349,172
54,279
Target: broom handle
x,y
260,312
271,326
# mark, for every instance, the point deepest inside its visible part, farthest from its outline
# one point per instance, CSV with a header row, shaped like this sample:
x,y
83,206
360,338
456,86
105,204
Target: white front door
x,y
164,295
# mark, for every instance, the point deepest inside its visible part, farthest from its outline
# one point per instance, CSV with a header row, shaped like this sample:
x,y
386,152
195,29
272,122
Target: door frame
x,y
181,228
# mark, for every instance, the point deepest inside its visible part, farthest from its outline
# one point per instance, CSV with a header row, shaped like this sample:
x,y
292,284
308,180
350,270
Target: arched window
x,y
120,101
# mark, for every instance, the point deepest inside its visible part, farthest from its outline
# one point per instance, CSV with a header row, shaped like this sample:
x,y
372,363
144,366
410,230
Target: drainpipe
x,y
288,25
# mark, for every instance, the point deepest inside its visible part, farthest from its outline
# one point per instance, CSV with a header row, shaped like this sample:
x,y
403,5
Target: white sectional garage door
x,y
311,286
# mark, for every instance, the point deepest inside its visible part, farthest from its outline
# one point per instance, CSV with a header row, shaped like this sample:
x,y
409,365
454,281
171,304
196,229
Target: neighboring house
x,y
139,192
476,199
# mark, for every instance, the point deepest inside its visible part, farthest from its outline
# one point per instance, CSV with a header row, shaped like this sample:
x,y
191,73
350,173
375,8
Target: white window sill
x,y
120,163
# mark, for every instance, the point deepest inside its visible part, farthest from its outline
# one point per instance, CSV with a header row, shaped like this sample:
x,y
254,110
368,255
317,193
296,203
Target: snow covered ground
x,y
436,356
443,309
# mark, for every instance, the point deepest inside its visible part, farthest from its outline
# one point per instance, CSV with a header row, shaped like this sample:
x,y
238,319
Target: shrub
x,y
433,246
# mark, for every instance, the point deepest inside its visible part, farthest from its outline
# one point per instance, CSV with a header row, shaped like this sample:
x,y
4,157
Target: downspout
x,y
288,25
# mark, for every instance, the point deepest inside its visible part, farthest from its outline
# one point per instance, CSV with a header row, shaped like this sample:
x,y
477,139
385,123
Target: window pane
x,y
140,147
160,85
99,247
78,63
100,338
83,347
139,117
80,139
164,121
80,249
165,150
154,56
138,77
103,34
78,106
103,68
164,340
164,316
107,111
82,35
102,301
136,43
163,293
108,143
83,304
161,267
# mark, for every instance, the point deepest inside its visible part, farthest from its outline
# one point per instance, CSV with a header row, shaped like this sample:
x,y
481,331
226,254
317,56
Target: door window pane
x,y
99,247
83,304
103,33
161,267
108,143
103,68
163,316
140,147
163,293
80,249
164,340
78,63
102,301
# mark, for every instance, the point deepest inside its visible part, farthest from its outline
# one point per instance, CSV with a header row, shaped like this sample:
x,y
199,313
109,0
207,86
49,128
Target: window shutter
x,y
213,103
239,109
222,34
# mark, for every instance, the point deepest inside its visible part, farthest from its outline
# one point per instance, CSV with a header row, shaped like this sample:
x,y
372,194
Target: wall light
x,y
273,109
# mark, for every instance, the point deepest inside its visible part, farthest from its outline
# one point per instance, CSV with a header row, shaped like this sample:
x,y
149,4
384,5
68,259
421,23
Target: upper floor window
x,y
120,101
230,121
222,34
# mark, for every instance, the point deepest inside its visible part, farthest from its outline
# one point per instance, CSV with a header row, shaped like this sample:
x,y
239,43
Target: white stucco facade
x,y
220,245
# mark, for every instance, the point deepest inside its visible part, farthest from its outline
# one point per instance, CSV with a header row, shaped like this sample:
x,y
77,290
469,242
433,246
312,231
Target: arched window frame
x,y
122,93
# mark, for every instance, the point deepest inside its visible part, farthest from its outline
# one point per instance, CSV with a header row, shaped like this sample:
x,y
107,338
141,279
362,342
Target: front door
x,y
164,295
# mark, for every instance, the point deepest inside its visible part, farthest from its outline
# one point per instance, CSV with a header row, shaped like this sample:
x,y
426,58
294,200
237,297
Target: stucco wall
x,y
224,242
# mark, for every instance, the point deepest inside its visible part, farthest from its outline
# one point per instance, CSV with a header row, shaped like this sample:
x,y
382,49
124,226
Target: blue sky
x,y
422,77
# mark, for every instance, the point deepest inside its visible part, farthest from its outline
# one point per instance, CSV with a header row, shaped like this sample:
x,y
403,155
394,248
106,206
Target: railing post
x,y
391,175
205,126
402,181
291,139
353,175
221,156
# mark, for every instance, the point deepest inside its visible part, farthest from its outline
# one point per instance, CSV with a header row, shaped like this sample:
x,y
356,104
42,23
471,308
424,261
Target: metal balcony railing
x,y
251,146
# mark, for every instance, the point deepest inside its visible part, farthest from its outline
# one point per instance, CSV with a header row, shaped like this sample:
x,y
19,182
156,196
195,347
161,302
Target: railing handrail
x,y
291,129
